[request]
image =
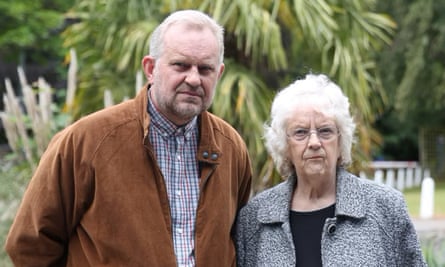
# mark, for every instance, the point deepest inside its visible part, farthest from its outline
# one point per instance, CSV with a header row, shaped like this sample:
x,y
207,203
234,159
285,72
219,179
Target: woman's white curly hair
x,y
326,97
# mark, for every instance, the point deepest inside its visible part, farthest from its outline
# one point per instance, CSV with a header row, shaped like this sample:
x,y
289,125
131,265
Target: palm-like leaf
x,y
268,44
244,100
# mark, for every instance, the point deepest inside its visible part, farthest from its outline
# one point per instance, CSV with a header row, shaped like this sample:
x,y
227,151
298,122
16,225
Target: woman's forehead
x,y
308,113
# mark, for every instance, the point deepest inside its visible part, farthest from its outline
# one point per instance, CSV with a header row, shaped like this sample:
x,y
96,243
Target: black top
x,y
306,230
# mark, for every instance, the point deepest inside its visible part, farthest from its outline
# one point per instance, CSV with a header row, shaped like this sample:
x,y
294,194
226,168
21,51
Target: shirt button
x,y
179,231
178,192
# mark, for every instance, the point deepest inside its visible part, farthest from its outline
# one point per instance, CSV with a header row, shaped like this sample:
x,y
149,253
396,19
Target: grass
x,y
412,197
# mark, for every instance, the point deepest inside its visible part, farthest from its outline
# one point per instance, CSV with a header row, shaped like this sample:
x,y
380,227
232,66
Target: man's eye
x,y
205,69
179,64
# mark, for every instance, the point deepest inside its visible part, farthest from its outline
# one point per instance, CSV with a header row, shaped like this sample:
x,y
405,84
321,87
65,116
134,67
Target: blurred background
x,y
63,59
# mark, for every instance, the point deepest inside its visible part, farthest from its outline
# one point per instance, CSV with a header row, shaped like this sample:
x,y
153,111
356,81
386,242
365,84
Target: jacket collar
x,y
141,100
350,201
208,150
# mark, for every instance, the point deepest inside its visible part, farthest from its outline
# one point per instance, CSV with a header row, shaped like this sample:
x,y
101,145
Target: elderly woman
x,y
321,215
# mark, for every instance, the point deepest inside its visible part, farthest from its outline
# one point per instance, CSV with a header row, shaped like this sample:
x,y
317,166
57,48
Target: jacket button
x,y
214,156
332,228
205,154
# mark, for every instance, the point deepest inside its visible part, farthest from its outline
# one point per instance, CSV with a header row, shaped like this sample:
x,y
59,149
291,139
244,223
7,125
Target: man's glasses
x,y
323,133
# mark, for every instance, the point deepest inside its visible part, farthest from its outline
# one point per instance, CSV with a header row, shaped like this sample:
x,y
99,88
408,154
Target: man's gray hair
x,y
189,17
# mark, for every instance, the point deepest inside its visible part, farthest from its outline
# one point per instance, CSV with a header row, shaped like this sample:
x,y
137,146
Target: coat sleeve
x,y
51,207
240,237
406,240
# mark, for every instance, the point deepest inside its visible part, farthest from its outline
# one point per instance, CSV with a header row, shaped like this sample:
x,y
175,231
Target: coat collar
x,y
351,198
350,201
276,205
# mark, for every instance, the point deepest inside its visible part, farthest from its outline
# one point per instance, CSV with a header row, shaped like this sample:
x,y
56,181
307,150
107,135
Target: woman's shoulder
x,y
380,191
379,198
272,194
370,188
268,205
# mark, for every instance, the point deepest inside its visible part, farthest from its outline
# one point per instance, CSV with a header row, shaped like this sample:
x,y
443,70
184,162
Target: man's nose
x,y
193,77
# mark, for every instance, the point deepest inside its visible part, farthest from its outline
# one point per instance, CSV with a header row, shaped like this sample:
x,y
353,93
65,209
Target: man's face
x,y
184,78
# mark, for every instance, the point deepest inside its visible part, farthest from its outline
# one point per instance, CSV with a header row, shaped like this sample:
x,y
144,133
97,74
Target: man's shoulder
x,y
102,123
106,118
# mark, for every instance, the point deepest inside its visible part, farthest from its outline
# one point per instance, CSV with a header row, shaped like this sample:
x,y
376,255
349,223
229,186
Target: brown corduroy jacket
x,y
98,197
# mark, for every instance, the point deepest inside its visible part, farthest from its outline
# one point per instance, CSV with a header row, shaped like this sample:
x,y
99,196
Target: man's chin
x,y
188,110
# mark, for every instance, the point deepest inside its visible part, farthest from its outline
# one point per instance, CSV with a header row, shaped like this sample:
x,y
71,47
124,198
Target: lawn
x,y
412,197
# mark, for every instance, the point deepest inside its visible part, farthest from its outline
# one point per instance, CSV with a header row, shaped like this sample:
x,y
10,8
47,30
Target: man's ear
x,y
148,65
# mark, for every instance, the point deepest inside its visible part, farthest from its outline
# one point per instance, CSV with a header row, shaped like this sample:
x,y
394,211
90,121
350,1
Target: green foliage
x,y
59,121
31,26
13,178
269,44
29,127
413,67
413,73
110,41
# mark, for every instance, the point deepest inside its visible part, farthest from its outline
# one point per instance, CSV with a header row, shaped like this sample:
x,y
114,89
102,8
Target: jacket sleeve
x,y
51,206
246,180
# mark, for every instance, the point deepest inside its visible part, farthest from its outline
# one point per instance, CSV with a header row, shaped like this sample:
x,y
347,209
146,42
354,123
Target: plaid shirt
x,y
175,149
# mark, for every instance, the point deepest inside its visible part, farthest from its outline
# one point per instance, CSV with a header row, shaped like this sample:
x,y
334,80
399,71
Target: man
x,y
154,181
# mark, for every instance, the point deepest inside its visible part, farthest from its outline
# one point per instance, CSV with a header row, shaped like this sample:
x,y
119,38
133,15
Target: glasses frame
x,y
317,131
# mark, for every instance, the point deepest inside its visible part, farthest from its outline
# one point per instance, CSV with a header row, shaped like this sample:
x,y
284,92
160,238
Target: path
x,y
434,225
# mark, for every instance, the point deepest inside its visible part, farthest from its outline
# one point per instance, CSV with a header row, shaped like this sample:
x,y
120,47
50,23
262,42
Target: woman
x,y
321,215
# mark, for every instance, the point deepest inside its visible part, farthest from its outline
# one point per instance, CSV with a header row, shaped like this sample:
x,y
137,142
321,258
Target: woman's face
x,y
313,141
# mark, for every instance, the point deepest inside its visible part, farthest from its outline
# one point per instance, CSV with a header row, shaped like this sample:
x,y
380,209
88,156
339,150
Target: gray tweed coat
x,y
371,227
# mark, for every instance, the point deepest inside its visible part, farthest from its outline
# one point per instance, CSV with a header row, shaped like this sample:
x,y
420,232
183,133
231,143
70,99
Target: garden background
x,y
388,56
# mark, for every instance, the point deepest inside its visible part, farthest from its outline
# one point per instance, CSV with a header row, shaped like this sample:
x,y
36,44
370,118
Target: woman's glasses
x,y
325,133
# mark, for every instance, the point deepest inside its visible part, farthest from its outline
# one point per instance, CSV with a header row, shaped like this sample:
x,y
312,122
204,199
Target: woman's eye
x,y
300,132
326,130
